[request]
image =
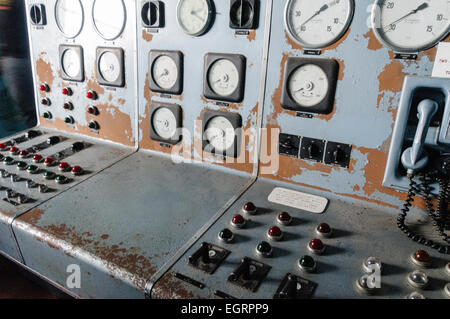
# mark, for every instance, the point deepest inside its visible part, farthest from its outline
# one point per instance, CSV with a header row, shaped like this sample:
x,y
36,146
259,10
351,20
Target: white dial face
x,y
109,67
165,72
71,63
194,16
308,85
220,134
69,17
319,23
411,25
223,77
109,18
164,123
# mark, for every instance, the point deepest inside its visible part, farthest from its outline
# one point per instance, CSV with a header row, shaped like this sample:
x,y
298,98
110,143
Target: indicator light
x,y
14,150
44,87
238,221
8,160
226,235
249,208
316,246
49,175
284,219
63,166
275,233
69,120
264,249
68,106
46,101
47,115
93,125
421,258
3,146
77,170
417,279
61,179
67,91
37,158
32,169
307,263
372,264
77,146
49,161
22,165
91,95
23,153
93,110
324,230
31,134
53,140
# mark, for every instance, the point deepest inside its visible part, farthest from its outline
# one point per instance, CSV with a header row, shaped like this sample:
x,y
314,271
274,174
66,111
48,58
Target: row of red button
x,y
63,166
275,233
92,95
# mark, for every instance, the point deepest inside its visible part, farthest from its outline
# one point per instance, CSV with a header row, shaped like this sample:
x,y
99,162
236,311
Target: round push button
x,y
284,219
8,160
275,233
307,263
61,179
3,146
415,295
32,169
226,235
49,175
14,150
37,158
63,166
249,208
49,161
316,246
371,264
77,170
22,166
324,230
264,249
421,258
417,279
365,285
238,221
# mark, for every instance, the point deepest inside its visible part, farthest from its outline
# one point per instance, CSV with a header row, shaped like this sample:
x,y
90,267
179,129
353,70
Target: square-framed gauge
x,y
71,62
166,71
110,69
224,77
309,85
244,14
221,133
152,14
165,123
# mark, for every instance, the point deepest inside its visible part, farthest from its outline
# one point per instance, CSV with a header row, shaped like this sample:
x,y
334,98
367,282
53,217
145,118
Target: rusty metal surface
x,y
358,232
123,224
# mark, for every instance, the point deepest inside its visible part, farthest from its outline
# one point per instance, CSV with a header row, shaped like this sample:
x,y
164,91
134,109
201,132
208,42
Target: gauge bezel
x,y
121,30
119,53
177,57
176,111
58,24
326,44
240,62
331,69
235,120
207,25
374,18
79,50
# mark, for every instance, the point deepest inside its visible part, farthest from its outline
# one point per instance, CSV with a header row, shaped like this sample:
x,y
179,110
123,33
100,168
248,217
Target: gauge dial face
x,y
165,72
411,26
69,17
109,18
164,123
194,16
319,23
71,63
223,77
219,132
109,67
308,85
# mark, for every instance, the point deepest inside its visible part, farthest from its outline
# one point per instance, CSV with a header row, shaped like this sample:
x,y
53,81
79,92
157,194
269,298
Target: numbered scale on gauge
x,y
165,72
109,67
223,77
220,134
308,85
411,26
194,16
165,123
319,23
69,17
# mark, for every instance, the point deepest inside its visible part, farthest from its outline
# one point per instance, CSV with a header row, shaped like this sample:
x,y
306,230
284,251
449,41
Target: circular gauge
x,y
410,26
165,72
219,132
69,17
194,16
223,77
308,85
109,67
71,63
164,123
109,18
320,23
241,13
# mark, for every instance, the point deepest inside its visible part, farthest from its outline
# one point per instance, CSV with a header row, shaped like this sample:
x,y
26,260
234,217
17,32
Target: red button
x,y
37,157
249,208
316,245
44,88
14,150
284,218
3,146
324,230
45,102
67,106
67,91
64,166
48,160
275,232
238,221
77,170
23,153
91,95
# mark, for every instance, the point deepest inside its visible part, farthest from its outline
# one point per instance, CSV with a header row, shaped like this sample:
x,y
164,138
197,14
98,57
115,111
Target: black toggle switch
x,y
53,140
295,287
249,274
289,290
313,150
208,257
32,134
77,146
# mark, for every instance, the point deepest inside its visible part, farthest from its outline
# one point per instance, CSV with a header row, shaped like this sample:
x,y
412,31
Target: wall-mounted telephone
x,y
419,157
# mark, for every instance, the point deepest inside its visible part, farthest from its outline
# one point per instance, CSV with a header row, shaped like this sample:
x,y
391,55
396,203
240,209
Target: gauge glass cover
x,y
69,17
164,123
165,72
308,85
220,133
194,16
223,77
109,18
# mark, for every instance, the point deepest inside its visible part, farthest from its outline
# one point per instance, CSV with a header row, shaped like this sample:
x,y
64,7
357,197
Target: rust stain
x,y
44,72
33,216
391,78
251,35
147,36
294,45
373,43
169,287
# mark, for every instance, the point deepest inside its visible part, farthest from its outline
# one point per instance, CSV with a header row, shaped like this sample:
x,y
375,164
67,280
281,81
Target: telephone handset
x,y
415,160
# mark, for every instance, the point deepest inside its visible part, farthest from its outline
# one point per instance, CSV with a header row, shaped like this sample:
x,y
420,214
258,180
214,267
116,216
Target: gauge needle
x,y
322,9
419,8
195,14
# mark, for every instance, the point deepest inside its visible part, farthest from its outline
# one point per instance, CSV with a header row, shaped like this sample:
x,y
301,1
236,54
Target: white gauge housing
x,y
410,26
194,16
69,16
220,134
223,77
165,72
308,85
109,67
109,17
319,23
165,123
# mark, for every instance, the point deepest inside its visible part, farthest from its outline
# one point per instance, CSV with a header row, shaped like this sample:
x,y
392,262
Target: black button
x,y
77,146
53,140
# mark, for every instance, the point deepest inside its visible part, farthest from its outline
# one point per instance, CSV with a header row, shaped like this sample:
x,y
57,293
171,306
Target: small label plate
x,y
310,203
